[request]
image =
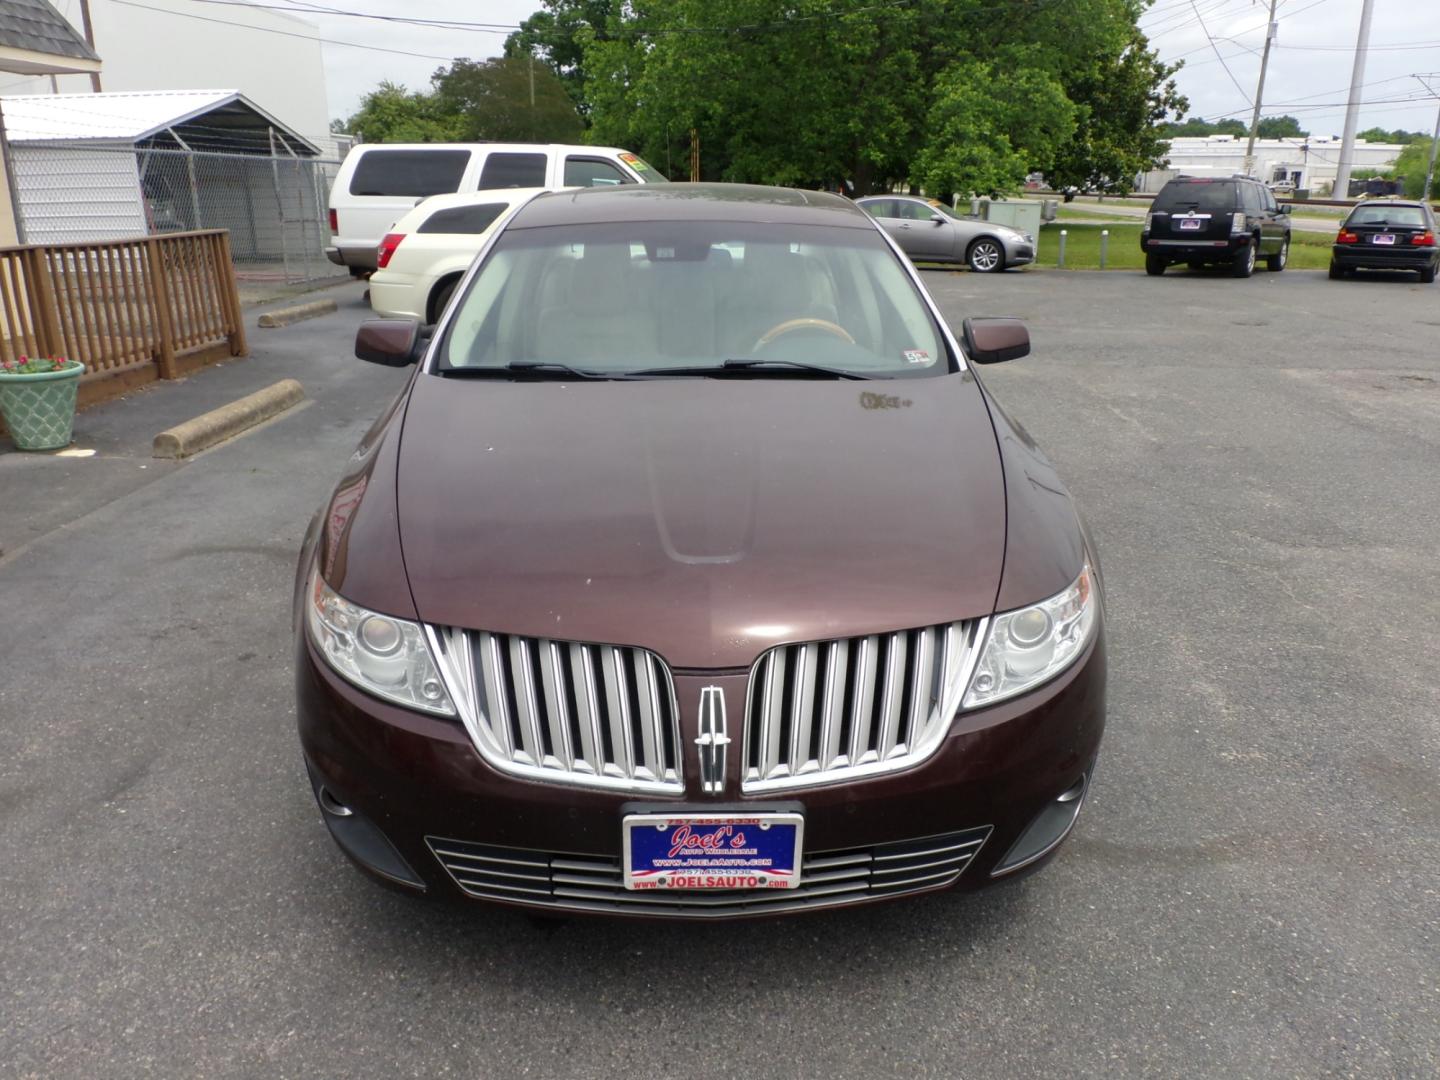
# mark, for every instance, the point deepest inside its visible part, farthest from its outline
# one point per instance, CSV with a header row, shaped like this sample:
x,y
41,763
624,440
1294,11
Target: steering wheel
x,y
789,326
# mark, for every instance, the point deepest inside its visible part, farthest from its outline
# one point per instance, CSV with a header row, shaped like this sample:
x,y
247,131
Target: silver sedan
x,y
929,231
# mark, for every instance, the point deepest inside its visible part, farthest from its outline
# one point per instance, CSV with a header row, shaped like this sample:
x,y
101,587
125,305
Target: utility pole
x,y
1434,144
1259,93
1341,190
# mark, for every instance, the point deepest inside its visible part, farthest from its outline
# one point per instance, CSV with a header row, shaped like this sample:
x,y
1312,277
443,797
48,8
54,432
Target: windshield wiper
x,y
542,368
763,367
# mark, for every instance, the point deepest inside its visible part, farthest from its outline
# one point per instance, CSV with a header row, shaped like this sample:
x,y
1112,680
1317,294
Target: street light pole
x,y
1259,93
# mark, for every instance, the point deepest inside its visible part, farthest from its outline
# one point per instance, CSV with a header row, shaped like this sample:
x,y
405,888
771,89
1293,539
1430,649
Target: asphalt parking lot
x,y
1253,891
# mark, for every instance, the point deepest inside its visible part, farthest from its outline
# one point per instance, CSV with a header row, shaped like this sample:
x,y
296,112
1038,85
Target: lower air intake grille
x,y
596,883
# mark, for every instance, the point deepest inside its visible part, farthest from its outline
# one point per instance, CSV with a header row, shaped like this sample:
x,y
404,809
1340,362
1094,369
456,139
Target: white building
x,y
273,58
1309,162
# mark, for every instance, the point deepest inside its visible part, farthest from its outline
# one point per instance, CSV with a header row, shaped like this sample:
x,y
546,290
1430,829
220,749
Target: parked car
x,y
378,183
1390,235
1203,222
929,231
636,601
424,256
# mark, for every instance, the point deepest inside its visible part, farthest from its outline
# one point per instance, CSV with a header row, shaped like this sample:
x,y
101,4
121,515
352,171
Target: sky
x,y
1219,40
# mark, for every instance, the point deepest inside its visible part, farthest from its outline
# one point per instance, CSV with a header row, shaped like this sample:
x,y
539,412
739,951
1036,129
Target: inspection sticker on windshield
x,y
712,851
916,356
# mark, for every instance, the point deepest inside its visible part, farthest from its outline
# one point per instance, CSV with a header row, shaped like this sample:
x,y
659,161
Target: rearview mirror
x,y
1287,208
989,341
391,342
937,220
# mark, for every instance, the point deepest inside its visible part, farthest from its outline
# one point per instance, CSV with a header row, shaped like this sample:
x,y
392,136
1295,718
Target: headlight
x,y
1024,648
382,655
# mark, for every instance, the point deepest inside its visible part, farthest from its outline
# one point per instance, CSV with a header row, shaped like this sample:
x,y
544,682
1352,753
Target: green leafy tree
x,y
1399,135
1411,166
1197,127
1279,127
556,36
983,142
391,113
1122,101
513,99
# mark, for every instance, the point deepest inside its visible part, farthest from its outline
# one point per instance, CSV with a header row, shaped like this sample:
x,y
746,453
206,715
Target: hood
x,y
705,519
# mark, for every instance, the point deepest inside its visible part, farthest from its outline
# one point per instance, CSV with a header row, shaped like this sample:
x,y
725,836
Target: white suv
x,y
380,182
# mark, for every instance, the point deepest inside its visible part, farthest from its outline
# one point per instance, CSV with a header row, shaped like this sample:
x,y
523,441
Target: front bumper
x,y
418,780
1019,254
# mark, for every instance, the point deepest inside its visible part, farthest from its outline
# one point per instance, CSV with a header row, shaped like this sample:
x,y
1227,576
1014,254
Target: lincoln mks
x,y
696,573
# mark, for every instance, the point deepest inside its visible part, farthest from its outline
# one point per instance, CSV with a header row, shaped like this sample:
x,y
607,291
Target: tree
x,y
506,100
391,113
1198,127
1279,127
1121,102
807,92
1399,135
983,142
556,36
1411,166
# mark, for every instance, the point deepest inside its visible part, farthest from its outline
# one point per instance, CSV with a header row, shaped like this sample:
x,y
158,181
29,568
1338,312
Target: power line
x,y
1217,50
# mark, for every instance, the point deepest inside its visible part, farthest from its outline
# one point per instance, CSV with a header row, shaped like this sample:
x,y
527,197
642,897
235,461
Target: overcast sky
x,y
1309,72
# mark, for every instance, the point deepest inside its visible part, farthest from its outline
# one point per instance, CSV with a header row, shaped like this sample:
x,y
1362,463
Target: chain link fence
x,y
274,206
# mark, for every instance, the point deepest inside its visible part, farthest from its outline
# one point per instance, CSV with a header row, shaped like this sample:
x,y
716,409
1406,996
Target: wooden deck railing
x,y
131,310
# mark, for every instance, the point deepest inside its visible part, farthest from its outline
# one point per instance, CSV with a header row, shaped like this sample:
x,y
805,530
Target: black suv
x,y
1202,222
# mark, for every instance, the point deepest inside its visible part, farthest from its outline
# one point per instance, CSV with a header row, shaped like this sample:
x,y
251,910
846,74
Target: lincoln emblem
x,y
712,740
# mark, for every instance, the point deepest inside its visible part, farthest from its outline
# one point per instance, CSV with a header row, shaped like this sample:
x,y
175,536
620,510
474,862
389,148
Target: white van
x,y
380,182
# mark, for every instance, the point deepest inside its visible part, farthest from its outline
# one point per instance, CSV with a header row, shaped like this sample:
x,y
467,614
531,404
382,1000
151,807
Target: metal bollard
x,y
1063,233
1104,246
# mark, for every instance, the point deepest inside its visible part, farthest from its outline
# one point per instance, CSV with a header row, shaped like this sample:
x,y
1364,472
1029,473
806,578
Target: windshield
x,y
650,296
1207,197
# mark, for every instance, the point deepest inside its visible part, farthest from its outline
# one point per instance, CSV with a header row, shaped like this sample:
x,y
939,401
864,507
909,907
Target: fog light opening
x,y
332,805
1044,833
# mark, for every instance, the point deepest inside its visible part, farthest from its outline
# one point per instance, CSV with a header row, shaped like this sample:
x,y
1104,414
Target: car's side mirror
x,y
937,220
391,342
989,341
1287,208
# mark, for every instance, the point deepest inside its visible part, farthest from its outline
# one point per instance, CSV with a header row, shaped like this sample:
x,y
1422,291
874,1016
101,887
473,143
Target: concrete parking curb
x,y
226,422
287,315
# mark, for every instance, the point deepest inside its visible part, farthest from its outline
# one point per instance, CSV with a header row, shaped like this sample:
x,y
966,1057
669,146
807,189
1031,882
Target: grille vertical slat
x,y
525,700
617,702
854,706
891,692
921,680
557,712
587,706
862,708
802,706
832,709
570,713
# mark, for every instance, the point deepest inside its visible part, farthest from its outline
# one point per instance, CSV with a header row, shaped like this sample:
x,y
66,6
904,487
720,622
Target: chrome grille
x,y
833,710
592,715
596,882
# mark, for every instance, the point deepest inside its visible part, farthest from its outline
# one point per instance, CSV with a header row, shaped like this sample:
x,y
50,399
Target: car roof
x,y
1389,202
690,202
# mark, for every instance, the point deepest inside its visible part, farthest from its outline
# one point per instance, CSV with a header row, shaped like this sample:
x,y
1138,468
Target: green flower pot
x,y
39,409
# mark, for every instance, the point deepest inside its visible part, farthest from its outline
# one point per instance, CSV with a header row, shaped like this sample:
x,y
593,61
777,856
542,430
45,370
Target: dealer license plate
x,y
712,851
1190,224
1384,238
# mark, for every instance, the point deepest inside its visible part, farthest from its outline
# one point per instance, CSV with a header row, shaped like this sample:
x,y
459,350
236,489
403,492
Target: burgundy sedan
x,y
635,601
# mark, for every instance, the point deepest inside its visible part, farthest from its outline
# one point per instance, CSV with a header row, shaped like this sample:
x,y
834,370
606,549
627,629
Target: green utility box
x,y
1022,214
